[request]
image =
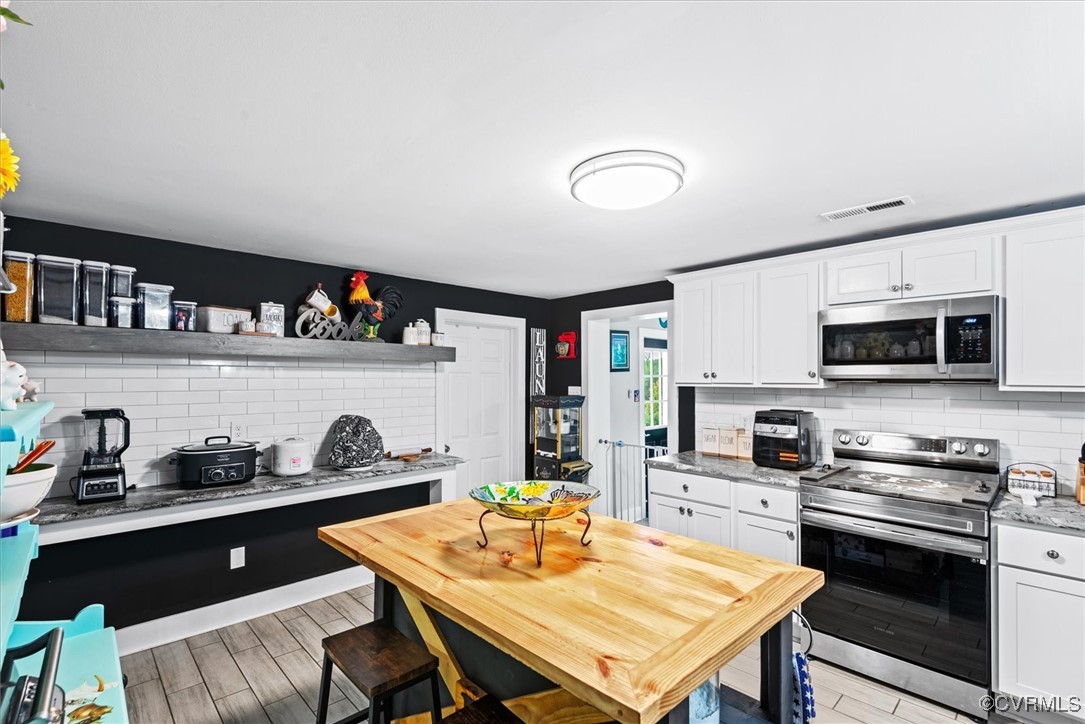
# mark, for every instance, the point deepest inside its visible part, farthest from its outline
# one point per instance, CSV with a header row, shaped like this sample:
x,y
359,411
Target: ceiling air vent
x,y
865,209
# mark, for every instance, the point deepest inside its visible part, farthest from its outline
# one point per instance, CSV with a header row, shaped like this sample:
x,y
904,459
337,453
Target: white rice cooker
x,y
291,456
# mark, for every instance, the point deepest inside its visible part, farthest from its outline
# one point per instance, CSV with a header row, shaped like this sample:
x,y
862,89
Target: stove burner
x,y
887,480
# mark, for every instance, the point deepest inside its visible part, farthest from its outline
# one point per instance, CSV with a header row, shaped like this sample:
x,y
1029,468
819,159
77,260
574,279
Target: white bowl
x,y
24,491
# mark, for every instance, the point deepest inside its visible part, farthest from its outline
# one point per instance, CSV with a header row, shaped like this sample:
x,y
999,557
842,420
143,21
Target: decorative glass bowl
x,y
535,499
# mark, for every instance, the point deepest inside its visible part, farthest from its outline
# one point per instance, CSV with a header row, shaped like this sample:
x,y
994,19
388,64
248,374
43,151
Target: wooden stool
x,y
380,661
487,710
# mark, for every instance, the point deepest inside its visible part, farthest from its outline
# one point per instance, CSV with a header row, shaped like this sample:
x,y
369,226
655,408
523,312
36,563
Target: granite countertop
x,y
65,509
725,468
1061,512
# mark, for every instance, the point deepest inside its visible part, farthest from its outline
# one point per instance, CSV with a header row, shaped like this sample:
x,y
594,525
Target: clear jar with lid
x,y
155,308
95,293
184,317
122,312
56,289
19,267
120,280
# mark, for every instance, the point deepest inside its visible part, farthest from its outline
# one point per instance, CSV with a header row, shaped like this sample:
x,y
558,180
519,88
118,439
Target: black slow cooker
x,y
215,463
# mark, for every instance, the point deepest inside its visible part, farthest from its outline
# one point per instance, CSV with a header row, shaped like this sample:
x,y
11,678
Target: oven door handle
x,y
940,340
898,534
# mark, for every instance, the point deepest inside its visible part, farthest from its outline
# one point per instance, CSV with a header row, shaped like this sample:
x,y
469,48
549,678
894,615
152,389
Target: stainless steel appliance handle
x,y
778,435
47,678
898,534
940,340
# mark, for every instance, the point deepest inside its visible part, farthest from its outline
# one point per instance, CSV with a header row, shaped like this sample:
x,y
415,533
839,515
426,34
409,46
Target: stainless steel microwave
x,y
943,340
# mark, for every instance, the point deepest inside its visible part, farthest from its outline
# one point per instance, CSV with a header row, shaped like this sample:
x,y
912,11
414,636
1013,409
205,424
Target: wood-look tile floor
x,y
267,671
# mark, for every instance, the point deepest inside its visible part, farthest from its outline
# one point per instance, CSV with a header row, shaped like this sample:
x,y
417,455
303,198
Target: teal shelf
x,y
19,428
16,552
90,673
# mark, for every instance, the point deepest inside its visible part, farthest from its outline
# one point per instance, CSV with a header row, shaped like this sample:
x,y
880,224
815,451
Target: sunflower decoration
x,y
9,166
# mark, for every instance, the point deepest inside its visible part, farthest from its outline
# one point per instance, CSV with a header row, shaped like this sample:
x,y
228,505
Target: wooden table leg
x,y
776,672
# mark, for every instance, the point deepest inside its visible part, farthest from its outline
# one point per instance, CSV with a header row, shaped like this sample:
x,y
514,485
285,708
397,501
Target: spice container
x,y
273,314
155,309
120,280
56,289
95,296
19,267
184,317
122,312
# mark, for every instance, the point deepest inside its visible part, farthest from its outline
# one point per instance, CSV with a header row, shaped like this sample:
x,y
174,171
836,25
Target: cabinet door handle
x,y
1052,554
909,287
682,510
764,503
811,374
713,375
894,288
791,535
685,487
690,512
706,375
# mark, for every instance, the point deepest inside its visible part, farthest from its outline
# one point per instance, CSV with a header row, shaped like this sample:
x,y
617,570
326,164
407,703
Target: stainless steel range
x,y
900,527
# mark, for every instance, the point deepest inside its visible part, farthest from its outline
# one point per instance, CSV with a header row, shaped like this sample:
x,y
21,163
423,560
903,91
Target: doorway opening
x,y
631,406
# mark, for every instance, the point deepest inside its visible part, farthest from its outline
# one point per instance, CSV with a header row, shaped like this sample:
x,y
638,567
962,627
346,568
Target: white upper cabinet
x,y
788,303
867,277
948,267
1045,307
713,330
933,269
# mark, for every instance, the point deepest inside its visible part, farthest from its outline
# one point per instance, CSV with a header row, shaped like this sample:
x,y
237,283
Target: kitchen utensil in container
x,y
23,491
120,280
56,289
217,461
155,307
27,460
101,476
292,456
184,317
19,267
122,312
95,295
221,320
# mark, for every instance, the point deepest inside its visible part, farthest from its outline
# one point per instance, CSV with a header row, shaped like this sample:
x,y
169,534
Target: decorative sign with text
x,y
538,361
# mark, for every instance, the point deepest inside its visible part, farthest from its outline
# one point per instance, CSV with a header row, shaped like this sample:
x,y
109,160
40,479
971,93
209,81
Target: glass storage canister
x,y
56,289
184,317
120,280
18,306
122,312
155,310
95,295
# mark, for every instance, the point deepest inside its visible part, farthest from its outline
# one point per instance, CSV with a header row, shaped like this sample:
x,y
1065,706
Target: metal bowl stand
x,y
536,537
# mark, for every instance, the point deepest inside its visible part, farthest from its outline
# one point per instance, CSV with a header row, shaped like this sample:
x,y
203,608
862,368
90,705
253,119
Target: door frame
x,y
518,369
596,322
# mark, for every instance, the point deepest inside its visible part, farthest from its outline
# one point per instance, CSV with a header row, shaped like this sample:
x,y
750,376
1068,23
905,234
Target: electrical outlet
x,y
237,431
237,558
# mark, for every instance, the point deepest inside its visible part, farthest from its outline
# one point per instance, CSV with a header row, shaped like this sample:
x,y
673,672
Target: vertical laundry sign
x,y
538,361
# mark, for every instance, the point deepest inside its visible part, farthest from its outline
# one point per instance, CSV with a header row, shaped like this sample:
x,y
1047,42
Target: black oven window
x,y
901,341
923,606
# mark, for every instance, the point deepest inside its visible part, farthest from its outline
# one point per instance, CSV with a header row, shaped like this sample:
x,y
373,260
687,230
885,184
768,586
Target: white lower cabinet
x,y
1040,619
667,513
702,521
767,537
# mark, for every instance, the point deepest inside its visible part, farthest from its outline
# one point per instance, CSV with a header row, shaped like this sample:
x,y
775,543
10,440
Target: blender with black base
x,y
101,476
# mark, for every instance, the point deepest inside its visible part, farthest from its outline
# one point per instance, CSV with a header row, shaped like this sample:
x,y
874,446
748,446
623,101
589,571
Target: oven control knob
x,y
217,474
958,448
844,439
862,439
981,450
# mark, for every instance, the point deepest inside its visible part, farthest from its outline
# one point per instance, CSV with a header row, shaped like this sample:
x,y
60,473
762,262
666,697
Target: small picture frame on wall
x,y
619,351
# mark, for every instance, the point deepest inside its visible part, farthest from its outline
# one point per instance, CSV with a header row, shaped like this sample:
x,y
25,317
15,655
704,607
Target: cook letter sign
x,y
538,361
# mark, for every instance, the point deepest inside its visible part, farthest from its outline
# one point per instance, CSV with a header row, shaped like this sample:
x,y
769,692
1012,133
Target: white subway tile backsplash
x,y
148,384
189,396
81,384
119,371
188,371
99,358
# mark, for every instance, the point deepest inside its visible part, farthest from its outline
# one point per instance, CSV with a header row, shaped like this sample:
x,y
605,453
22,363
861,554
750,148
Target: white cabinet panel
x,y
1045,307
688,486
1041,635
768,501
768,538
692,330
732,333
709,523
788,303
948,267
667,514
863,277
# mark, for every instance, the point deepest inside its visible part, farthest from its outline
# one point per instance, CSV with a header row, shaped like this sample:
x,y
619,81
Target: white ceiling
x,y
435,140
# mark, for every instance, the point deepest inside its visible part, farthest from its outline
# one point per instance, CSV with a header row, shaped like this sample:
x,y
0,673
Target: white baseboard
x,y
165,630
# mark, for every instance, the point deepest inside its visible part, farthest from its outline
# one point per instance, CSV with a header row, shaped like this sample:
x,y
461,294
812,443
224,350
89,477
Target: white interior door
x,y
596,382
480,406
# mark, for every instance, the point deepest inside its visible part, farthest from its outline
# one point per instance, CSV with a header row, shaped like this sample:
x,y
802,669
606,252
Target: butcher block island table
x,y
626,627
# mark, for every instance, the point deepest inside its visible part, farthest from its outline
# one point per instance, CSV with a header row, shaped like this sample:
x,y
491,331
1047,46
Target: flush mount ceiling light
x,y
626,179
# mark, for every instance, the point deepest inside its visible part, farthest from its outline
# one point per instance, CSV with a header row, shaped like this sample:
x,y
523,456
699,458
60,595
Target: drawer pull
x,y
706,375
764,503
1052,554
894,288
682,510
791,535
909,287
690,512
685,487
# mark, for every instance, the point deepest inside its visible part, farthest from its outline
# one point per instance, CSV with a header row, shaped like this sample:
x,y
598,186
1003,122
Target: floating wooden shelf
x,y
61,337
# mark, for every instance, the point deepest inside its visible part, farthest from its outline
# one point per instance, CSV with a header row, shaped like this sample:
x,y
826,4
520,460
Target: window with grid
x,y
655,387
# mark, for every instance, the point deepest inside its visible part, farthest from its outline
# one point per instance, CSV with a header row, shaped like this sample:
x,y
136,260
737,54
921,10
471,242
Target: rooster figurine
x,y
373,311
